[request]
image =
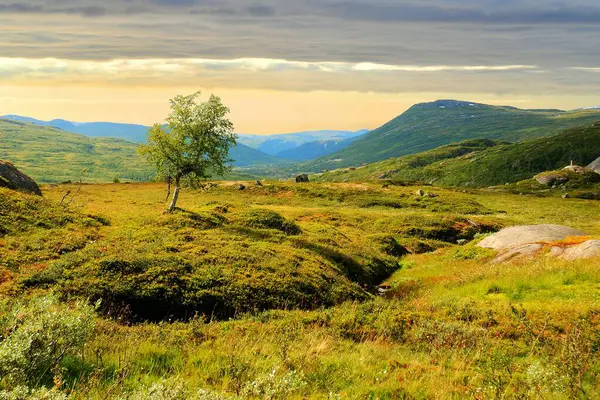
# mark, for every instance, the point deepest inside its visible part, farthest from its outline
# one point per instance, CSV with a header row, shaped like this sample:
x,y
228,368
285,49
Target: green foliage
x,y
267,219
36,335
484,163
430,125
195,142
52,155
197,304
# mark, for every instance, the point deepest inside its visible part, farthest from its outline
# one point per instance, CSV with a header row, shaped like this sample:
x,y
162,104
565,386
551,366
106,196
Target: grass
x,y
271,292
481,163
427,126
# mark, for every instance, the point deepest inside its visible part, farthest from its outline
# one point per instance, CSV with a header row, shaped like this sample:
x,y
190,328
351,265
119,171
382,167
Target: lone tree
x,y
195,142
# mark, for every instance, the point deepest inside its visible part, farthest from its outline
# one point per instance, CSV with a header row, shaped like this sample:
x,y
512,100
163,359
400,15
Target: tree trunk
x,y
175,195
168,188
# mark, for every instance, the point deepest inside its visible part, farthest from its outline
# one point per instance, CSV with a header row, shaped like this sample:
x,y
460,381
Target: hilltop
x,y
430,125
483,162
50,154
299,146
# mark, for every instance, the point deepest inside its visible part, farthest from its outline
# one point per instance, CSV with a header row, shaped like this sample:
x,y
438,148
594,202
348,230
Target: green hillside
x,y
430,125
52,155
483,162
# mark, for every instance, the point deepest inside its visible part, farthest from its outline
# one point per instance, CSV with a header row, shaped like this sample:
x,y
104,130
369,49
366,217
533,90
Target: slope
x,y
275,144
430,125
52,155
312,150
129,132
483,162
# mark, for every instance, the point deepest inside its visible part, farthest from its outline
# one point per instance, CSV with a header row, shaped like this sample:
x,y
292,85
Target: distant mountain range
x,y
319,148
129,132
52,155
426,126
483,162
280,146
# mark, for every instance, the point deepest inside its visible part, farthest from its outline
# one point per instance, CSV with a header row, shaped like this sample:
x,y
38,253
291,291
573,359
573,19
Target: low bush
x,y
267,219
36,335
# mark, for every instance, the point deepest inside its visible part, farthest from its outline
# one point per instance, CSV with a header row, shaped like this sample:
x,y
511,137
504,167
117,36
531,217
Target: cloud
x,y
384,45
288,75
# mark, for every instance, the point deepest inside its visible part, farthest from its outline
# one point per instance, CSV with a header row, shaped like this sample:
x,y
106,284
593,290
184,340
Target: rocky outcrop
x,y
521,242
595,165
551,178
12,178
585,250
302,178
521,235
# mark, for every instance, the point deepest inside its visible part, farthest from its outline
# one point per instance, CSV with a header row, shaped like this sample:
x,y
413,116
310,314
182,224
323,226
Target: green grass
x,y
427,126
480,163
52,155
270,293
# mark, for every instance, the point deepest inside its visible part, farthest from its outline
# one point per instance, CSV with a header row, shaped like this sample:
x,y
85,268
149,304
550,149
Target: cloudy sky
x,y
290,65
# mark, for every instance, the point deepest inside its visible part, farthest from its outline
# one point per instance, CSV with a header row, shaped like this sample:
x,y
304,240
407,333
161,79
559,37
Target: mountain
x,y
276,144
319,148
129,132
595,165
50,154
268,144
483,162
245,156
426,126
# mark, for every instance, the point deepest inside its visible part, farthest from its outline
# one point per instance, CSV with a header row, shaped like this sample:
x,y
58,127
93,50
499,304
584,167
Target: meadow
x,y
283,291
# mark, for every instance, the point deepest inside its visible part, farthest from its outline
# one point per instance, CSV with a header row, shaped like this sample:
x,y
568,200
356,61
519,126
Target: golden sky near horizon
x,y
293,66
252,111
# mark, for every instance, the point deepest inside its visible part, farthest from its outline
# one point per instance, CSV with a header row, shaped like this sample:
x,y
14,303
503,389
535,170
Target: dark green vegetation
x,y
430,125
298,269
51,155
482,163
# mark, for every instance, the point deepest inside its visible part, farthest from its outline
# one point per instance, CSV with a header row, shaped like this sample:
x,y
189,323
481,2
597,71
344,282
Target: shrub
x,y
36,335
275,385
170,389
267,219
25,393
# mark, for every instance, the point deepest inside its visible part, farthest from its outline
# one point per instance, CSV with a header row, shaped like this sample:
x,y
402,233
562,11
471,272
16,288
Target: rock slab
x,y
12,178
528,234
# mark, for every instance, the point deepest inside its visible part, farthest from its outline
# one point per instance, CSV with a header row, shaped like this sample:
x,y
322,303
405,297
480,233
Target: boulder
x,y
519,252
241,187
595,165
302,178
551,179
585,250
420,192
12,178
528,234
576,168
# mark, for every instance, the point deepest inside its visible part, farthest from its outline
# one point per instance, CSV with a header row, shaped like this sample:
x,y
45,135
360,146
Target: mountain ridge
x,y
483,162
425,126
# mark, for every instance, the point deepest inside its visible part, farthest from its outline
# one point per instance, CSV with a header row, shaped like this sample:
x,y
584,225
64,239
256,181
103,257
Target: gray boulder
x,y
12,178
585,250
528,234
551,179
595,165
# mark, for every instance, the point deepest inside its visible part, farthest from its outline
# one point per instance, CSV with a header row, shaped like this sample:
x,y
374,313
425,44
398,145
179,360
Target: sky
x,y
294,65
